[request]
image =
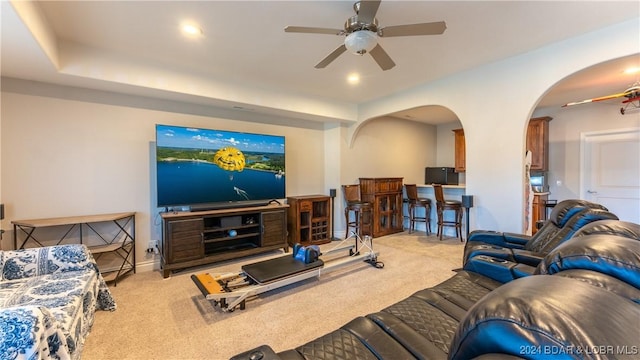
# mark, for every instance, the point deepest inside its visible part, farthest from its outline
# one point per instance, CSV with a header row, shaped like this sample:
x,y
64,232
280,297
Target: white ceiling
x,y
244,46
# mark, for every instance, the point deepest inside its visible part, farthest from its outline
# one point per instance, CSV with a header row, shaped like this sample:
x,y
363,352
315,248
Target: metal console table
x,y
122,244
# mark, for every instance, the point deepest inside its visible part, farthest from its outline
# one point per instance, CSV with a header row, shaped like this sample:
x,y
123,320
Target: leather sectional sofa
x,y
582,301
565,220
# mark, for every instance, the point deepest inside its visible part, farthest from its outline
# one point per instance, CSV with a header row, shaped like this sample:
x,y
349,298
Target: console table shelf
x,y
121,244
204,237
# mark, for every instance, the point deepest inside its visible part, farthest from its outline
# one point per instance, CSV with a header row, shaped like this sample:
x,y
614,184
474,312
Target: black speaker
x,y
332,193
1,211
467,201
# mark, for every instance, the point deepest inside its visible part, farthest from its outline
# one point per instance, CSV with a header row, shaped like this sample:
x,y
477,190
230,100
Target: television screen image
x,y
213,168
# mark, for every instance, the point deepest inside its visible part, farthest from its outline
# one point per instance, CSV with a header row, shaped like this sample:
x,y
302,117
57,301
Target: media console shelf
x,y
204,237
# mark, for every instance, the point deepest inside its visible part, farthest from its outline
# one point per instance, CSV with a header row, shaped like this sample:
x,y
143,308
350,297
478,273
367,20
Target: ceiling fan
x,y
362,34
631,94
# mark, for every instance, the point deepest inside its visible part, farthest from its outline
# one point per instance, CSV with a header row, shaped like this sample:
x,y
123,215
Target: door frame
x,y
584,138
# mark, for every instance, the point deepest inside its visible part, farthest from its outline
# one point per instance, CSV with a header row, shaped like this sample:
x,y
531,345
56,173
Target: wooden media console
x,y
204,237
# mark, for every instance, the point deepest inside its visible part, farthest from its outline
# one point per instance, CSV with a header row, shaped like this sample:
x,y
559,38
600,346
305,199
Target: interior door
x,y
611,176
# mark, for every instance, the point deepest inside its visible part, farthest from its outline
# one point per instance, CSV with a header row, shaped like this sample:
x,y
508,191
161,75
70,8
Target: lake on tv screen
x,y
195,182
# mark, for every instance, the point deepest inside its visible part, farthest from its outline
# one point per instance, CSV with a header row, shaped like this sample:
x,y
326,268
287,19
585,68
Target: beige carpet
x,y
170,319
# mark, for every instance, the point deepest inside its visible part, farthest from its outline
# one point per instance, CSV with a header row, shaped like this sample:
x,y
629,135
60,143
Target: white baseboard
x,y
148,265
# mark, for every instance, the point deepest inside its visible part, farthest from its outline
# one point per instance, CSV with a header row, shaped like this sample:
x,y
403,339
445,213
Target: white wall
x,y
385,147
564,141
390,147
446,146
65,157
90,157
494,104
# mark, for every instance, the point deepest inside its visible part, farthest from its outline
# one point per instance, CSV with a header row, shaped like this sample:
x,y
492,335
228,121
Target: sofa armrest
x,y
500,270
494,251
25,263
527,257
516,239
486,237
523,270
509,240
263,352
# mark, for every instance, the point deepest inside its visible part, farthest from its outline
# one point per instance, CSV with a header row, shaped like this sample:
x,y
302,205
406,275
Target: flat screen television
x,y
209,169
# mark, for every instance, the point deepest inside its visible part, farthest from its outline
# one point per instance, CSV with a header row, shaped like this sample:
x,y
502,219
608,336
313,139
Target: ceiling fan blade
x,y
601,98
382,58
334,54
433,28
313,30
368,10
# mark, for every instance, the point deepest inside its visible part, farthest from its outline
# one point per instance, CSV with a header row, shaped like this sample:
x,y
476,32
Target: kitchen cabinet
x,y
460,151
538,143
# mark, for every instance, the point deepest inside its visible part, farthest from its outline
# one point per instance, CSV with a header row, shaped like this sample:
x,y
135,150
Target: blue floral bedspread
x,y
48,297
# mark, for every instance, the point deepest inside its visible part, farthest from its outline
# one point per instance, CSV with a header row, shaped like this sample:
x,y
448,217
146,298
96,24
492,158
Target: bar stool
x,y
361,210
441,206
416,202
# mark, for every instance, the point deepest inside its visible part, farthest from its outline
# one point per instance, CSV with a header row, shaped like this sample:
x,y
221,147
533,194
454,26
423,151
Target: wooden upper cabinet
x,y
460,159
538,142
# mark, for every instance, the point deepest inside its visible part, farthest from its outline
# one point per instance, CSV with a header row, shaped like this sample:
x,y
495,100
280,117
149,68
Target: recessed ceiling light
x,y
632,70
353,79
191,29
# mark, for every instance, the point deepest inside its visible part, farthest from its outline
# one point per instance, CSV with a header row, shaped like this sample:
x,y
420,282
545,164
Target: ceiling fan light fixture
x,y
361,42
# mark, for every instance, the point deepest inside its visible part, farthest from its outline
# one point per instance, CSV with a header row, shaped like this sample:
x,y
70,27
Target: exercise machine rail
x,y
231,290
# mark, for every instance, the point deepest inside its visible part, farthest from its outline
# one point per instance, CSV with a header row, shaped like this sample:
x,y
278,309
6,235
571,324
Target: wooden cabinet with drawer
x,y
184,240
385,197
538,143
309,219
198,238
460,150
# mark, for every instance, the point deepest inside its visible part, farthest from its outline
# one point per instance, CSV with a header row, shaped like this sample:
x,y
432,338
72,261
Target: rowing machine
x,y
231,290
